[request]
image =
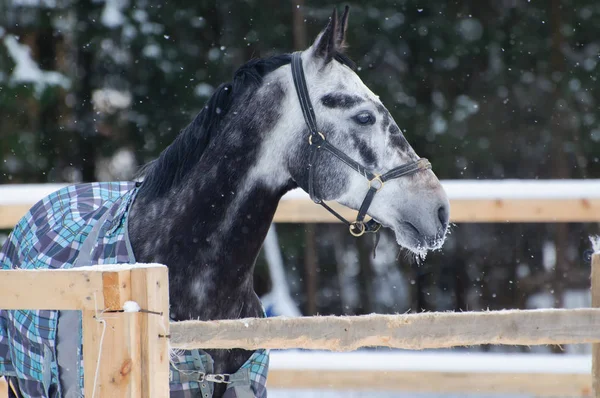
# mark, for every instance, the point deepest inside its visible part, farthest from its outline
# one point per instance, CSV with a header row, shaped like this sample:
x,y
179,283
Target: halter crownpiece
x,y
317,141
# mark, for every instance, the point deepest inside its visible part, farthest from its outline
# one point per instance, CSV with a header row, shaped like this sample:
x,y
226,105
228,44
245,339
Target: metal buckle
x,y
311,136
359,226
377,228
218,378
377,179
423,164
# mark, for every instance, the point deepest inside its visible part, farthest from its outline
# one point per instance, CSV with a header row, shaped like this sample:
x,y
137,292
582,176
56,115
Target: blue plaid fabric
x,y
258,366
252,374
51,235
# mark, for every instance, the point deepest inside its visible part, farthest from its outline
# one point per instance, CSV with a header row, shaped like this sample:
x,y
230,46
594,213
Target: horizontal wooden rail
x,y
75,289
464,211
412,331
540,375
531,383
535,384
470,201
84,288
482,381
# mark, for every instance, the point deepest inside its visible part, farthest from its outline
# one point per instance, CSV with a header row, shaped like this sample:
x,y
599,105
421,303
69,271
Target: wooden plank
x,y
3,388
540,385
464,210
118,367
525,210
116,289
461,210
51,290
150,289
102,287
11,214
116,370
596,303
92,335
412,331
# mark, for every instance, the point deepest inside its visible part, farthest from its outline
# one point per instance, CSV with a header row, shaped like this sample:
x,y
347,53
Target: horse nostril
x,y
443,216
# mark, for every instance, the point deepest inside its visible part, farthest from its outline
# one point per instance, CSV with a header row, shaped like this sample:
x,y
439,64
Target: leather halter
x,y
317,142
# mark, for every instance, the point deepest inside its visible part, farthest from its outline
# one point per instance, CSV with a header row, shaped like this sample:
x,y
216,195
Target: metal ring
x,y
377,178
311,136
358,225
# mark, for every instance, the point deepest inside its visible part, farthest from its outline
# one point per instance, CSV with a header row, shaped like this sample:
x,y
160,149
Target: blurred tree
x,y
90,89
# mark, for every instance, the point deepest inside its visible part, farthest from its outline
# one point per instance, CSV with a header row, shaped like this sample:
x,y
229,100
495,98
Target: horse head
x,y
341,144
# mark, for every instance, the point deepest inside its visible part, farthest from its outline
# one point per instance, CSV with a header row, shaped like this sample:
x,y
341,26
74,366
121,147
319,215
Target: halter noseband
x,y
317,141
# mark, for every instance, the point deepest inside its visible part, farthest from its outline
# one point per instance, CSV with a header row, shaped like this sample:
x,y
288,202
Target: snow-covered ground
x,y
509,189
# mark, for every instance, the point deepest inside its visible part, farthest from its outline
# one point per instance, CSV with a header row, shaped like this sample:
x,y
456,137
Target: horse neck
x,y
209,230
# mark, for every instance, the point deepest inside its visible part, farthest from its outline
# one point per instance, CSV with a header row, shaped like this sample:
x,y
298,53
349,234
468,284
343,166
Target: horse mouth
x,y
409,237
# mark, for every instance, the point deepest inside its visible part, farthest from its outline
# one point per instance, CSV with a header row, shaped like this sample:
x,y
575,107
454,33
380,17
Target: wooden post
x,y
596,304
123,355
150,289
118,367
115,370
3,388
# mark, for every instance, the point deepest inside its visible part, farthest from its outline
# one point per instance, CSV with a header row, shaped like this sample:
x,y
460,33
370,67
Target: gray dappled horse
x,y
204,207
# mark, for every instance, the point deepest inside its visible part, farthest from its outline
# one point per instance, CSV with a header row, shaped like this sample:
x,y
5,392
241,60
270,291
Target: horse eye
x,y
364,118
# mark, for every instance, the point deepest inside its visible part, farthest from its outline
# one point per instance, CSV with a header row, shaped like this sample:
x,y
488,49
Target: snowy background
x,y
487,89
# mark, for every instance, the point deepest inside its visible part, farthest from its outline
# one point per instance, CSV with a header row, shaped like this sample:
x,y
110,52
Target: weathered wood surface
x,y
412,331
150,288
119,373
3,388
103,287
63,290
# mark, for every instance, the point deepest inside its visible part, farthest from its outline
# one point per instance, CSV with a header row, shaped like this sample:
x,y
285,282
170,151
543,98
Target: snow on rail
x,y
13,194
509,189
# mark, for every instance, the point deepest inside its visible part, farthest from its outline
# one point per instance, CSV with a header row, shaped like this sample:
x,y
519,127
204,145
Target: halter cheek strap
x,y
318,142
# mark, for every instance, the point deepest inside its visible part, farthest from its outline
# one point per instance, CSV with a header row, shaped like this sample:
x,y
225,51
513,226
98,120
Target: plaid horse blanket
x,y
81,225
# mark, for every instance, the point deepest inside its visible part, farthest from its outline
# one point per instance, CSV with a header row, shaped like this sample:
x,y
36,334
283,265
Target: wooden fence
x,y
126,353
139,351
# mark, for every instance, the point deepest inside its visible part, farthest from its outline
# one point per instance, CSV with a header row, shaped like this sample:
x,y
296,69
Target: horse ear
x,y
341,33
327,43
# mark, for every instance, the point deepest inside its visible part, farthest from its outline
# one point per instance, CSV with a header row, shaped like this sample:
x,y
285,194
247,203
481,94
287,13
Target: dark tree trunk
x,y
299,27
85,128
310,269
49,139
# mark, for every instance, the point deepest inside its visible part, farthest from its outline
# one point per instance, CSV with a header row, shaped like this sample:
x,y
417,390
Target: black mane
x,y
183,154
173,164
